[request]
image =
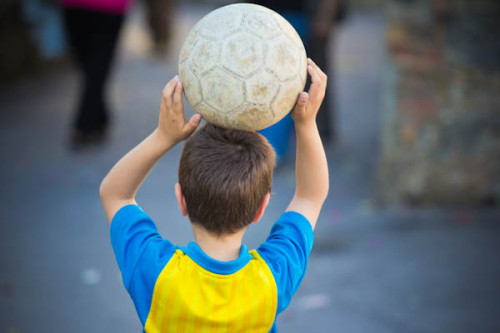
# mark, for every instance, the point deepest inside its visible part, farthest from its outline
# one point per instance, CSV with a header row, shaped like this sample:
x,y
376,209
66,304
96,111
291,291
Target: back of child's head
x,y
224,175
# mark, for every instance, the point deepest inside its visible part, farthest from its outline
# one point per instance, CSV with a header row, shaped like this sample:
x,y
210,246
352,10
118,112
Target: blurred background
x,y
408,240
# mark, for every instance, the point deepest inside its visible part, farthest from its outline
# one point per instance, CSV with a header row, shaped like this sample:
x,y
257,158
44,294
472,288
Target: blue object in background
x,y
47,27
278,134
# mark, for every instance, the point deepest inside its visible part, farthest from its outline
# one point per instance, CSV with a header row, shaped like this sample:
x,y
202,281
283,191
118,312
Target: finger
x,y
178,93
311,63
314,74
192,124
300,105
169,88
316,67
317,87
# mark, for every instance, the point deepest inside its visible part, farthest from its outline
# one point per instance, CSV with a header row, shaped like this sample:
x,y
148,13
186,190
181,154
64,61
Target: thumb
x,y
192,124
300,105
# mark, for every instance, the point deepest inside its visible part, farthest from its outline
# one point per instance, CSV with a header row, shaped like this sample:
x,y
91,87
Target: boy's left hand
x,y
308,104
172,125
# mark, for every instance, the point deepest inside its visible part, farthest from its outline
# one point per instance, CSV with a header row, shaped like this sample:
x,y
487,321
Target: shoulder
x,y
131,220
127,214
141,254
286,252
292,227
137,242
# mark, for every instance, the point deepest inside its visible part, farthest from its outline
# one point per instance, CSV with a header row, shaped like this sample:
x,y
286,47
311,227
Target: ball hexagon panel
x,y
287,96
261,87
283,58
188,78
262,24
242,53
219,24
221,90
204,56
189,42
303,67
287,27
252,117
212,115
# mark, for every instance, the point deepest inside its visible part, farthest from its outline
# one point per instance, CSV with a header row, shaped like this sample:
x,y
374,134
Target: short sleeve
x,y
286,252
132,230
141,254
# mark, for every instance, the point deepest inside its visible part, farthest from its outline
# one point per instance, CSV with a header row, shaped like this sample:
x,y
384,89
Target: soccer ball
x,y
243,66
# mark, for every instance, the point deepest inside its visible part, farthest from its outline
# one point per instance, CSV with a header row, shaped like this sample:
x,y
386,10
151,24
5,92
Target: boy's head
x,y
224,176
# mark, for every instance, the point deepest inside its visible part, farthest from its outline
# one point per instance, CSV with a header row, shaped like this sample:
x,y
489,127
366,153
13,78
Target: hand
x,y
172,125
307,105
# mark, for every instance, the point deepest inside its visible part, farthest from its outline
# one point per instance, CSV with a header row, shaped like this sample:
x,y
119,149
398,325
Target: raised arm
x,y
311,168
121,184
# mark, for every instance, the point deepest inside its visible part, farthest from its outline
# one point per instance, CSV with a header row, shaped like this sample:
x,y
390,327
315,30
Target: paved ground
x,y
372,270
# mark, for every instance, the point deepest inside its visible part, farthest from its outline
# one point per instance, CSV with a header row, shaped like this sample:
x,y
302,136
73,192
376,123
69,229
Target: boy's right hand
x,y
307,105
172,125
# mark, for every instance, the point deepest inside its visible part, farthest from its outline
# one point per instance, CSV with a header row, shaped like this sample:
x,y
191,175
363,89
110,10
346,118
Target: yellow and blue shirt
x,y
181,289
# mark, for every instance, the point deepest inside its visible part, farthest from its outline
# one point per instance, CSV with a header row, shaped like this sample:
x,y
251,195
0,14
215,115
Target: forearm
x,y
311,173
311,169
120,185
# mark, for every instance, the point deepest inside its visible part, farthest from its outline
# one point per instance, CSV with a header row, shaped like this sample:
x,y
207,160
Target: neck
x,y
222,248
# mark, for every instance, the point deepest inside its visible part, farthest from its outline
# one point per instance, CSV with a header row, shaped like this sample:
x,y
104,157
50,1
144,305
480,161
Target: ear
x,y
262,207
181,201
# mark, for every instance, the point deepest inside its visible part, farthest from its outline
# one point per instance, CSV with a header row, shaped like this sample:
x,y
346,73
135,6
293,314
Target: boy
x,y
215,284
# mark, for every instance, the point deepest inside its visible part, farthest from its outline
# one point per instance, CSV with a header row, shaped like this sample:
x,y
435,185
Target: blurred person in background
x,y
313,21
322,29
93,27
159,15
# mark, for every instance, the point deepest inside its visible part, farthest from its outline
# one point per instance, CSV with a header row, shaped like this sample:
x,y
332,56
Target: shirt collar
x,y
194,251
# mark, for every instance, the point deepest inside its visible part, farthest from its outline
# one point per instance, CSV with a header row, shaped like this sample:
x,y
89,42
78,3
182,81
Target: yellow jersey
x,y
181,289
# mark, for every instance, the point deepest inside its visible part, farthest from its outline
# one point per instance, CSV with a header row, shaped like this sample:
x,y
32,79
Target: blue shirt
x,y
144,256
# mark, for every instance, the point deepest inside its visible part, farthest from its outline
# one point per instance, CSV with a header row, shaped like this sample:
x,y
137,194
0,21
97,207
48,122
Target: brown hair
x,y
224,175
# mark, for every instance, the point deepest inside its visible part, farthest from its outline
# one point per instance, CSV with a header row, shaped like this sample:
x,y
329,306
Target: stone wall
x,y
441,118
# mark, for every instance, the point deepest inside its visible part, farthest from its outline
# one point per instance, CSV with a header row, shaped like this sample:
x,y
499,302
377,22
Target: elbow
x,y
103,190
316,197
322,195
325,189
325,193
321,192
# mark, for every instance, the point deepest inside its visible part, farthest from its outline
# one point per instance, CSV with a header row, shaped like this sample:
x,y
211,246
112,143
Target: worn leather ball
x,y
243,66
